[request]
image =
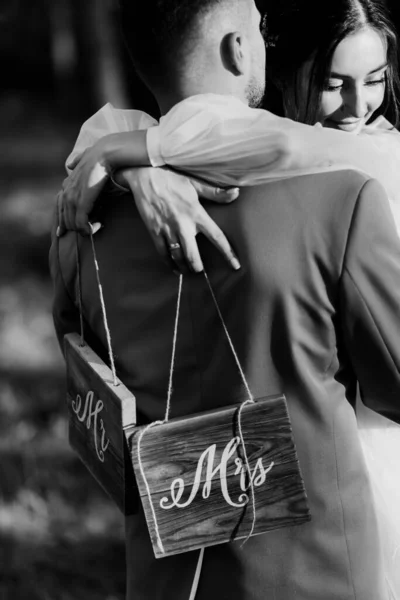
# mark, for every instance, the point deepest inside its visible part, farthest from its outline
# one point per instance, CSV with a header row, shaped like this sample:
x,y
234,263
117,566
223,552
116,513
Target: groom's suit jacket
x,y
314,309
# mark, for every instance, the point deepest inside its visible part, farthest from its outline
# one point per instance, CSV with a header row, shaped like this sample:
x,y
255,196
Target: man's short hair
x,y
158,33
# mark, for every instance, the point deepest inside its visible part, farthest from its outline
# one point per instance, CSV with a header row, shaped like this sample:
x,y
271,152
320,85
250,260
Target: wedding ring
x,y
175,246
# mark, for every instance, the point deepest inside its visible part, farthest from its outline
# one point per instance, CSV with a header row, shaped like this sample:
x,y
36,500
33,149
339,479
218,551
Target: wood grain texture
x,y
99,413
201,507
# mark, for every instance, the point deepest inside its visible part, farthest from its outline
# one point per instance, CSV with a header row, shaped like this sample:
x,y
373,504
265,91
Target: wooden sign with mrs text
x,y
196,480
99,413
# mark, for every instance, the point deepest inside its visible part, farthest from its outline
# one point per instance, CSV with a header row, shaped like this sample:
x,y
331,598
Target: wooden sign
x,y
99,414
196,481
199,489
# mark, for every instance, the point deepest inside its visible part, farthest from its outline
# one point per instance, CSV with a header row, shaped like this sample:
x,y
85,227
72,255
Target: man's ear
x,y
233,50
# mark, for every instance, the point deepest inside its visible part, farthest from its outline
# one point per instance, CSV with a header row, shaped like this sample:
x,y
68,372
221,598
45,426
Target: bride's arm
x,y
105,121
89,173
90,162
96,154
228,143
168,202
220,139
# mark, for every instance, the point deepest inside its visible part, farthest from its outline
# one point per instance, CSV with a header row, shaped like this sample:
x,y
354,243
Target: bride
x,y
338,97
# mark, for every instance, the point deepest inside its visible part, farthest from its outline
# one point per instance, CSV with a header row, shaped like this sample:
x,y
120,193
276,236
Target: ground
x,y
61,538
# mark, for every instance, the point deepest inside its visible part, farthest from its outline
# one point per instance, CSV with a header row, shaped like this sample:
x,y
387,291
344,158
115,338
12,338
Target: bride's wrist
x,y
110,151
120,177
127,178
124,150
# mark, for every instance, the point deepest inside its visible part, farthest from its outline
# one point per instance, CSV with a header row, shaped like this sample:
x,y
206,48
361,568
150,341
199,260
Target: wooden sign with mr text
x,y
99,413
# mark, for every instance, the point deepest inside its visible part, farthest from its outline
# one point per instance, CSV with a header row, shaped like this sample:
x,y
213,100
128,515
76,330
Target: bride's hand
x,y
81,189
90,172
170,208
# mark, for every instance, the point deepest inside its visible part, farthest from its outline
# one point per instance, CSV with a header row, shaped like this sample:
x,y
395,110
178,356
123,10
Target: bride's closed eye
x,y
335,87
375,82
380,78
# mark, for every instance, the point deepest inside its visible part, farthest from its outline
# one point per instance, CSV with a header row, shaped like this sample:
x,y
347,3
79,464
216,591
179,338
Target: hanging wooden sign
x,y
204,479
194,484
190,472
99,413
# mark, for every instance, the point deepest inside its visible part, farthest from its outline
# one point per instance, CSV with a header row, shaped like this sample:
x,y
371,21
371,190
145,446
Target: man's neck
x,y
168,99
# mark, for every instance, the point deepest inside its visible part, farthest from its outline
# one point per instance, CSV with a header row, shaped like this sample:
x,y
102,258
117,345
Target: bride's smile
x,y
356,85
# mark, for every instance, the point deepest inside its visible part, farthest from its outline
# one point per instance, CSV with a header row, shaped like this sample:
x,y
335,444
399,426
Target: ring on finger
x,y
174,246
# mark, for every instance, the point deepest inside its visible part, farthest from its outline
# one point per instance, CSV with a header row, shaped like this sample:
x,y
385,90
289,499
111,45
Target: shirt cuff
x,y
154,146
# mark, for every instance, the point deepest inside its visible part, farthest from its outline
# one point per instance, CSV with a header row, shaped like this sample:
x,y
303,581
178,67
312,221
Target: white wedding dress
x,y
219,139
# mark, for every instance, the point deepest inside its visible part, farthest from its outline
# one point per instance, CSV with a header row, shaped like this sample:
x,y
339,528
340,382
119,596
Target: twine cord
x,y
239,366
153,512
103,309
251,485
250,400
166,416
78,270
171,370
197,574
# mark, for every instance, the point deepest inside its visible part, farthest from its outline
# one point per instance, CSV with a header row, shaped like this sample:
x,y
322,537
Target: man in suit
x,y
313,310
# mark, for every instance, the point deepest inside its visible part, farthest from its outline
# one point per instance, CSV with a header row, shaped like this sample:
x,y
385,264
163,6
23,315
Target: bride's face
x,y
356,86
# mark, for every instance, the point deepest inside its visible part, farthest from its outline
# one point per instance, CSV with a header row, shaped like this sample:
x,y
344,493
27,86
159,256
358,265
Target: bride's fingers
x,y
88,197
61,225
74,161
215,234
83,210
162,249
191,251
177,253
216,194
69,213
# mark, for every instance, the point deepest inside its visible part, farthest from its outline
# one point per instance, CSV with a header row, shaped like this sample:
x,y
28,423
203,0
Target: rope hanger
x,y
249,400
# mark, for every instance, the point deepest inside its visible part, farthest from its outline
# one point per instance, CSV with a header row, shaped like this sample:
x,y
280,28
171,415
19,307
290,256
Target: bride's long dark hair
x,y
311,30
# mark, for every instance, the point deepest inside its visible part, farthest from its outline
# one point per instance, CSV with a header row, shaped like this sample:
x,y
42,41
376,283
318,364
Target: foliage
x,y
61,538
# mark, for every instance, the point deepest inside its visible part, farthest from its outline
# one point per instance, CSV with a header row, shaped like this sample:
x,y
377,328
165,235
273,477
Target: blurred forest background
x,y
61,538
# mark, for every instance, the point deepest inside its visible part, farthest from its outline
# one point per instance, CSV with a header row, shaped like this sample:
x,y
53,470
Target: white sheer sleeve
x,y
108,120
385,137
221,139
